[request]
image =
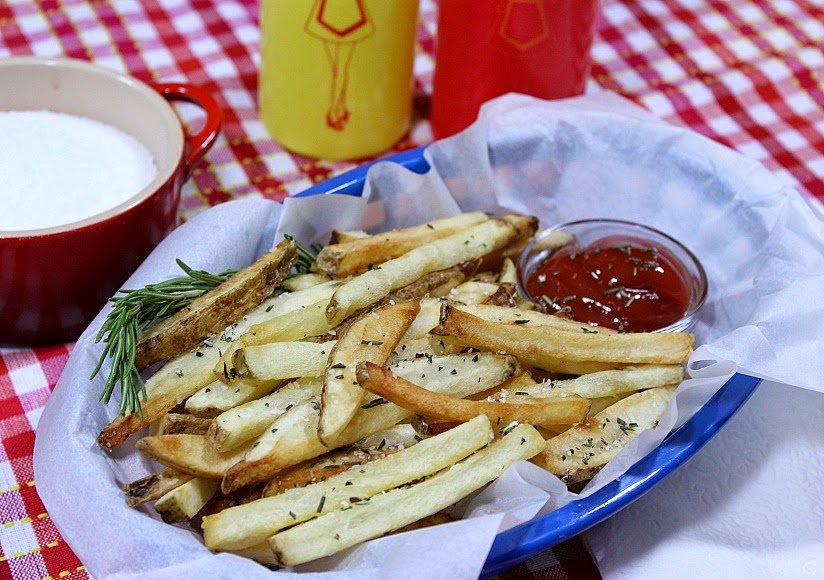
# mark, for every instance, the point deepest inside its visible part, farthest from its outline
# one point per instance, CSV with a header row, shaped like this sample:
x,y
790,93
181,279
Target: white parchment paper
x,y
595,156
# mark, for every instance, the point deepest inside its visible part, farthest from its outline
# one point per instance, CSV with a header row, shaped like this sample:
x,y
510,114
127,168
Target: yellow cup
x,y
336,75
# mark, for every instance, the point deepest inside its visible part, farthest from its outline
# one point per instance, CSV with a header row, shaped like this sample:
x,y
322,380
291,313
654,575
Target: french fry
x,y
183,376
282,360
383,513
566,352
304,281
244,526
192,454
493,313
295,438
577,454
602,403
493,262
153,486
261,553
508,273
293,316
238,425
427,427
473,292
221,501
517,384
463,246
216,309
183,502
324,467
217,397
371,338
343,236
553,241
604,383
401,436
355,256
368,449
504,296
542,412
172,423
290,439
432,284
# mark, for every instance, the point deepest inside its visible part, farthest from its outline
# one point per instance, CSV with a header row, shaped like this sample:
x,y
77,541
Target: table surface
x,y
746,74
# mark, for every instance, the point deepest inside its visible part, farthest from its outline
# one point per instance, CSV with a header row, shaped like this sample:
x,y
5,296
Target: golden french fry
x,y
603,384
324,467
343,236
183,502
373,337
383,513
172,423
282,360
426,346
216,309
153,486
520,383
217,397
356,256
508,273
295,438
531,318
553,241
462,246
244,526
542,412
238,425
559,351
473,292
192,454
368,449
577,454
304,281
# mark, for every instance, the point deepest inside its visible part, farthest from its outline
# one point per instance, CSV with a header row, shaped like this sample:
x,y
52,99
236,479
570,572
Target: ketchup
x,y
625,283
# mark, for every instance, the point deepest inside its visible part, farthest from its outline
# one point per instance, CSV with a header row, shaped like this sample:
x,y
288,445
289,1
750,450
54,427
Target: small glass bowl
x,y
585,232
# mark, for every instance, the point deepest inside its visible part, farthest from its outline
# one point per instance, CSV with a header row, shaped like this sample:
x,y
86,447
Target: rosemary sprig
x,y
133,312
306,257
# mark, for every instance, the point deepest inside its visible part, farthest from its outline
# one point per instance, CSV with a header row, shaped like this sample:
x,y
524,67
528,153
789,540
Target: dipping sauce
x,y
625,283
56,169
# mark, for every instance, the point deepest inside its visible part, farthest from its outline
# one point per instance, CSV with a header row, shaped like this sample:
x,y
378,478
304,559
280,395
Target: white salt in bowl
x,y
53,280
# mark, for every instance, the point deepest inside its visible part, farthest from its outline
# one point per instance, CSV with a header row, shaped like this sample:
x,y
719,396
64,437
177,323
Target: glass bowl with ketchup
x,y
613,273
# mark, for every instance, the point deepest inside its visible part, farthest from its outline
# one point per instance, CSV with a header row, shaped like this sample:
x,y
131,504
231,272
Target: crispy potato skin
x,y
216,309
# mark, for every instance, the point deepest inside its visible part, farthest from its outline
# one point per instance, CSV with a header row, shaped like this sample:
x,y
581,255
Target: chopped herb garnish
x,y
374,403
508,427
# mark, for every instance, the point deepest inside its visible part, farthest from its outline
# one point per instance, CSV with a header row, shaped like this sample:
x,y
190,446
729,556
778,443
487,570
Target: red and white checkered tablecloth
x,y
745,73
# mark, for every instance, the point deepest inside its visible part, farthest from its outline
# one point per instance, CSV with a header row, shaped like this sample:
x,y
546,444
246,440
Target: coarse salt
x,y
56,169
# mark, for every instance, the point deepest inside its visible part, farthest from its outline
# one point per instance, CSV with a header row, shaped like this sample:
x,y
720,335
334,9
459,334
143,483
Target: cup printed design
x,y
523,24
340,25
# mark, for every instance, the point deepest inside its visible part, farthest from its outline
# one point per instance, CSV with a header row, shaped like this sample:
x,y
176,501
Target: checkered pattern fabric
x,y
746,73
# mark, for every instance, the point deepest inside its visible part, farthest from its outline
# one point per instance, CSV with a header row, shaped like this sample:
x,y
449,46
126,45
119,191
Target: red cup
x,y
490,48
54,280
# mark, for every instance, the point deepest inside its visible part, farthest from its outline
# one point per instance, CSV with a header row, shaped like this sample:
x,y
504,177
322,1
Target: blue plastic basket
x,y
525,541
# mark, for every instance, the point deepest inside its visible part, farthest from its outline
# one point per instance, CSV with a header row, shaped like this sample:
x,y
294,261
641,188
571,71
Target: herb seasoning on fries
x,y
317,400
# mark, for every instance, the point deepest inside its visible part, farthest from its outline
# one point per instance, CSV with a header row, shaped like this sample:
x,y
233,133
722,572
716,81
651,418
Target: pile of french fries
x,y
401,375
